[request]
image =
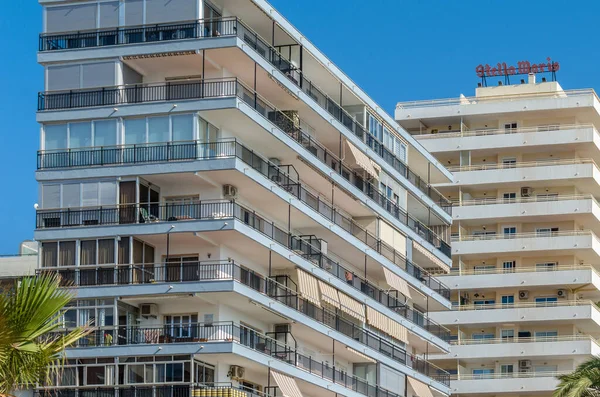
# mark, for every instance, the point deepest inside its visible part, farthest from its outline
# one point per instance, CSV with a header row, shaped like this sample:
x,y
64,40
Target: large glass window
x,y
183,128
55,137
80,135
105,133
158,129
135,131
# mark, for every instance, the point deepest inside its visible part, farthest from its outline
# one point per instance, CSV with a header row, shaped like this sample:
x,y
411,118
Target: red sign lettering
x,y
523,67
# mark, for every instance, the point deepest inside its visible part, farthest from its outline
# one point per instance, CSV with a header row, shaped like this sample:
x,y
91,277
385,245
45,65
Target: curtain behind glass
x,y
106,251
67,253
49,254
88,253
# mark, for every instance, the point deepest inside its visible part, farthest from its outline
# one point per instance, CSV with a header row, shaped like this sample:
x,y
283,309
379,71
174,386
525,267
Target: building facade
x,y
235,215
525,246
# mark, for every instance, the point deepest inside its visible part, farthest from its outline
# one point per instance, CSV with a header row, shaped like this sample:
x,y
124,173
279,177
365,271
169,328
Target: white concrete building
x,y
236,216
525,234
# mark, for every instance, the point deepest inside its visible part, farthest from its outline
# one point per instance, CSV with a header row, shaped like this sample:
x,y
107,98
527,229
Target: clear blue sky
x,y
395,50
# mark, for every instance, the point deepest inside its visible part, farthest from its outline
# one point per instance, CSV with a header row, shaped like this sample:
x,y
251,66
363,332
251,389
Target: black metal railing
x,y
232,26
274,288
175,390
280,119
191,150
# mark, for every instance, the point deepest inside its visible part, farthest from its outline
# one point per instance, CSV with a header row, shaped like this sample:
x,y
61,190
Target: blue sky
x,y
396,50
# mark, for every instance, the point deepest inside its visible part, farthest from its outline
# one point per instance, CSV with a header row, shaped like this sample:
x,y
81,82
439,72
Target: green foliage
x,y
29,313
583,382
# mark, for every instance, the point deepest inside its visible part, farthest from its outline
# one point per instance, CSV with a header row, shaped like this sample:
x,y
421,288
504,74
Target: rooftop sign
x,y
523,67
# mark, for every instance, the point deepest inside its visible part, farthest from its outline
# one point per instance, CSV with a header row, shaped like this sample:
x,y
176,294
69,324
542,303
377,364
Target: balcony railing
x,y
514,236
521,164
164,390
511,375
523,200
525,305
148,274
178,151
537,339
232,26
518,269
496,98
504,131
141,153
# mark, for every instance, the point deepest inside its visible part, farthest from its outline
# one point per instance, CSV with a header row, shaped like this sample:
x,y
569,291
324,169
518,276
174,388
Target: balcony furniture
x,y
146,217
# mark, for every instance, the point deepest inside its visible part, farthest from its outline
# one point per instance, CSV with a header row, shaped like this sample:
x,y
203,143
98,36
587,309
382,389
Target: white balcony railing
x,y
504,131
510,375
521,164
560,338
516,269
522,200
514,236
463,100
526,305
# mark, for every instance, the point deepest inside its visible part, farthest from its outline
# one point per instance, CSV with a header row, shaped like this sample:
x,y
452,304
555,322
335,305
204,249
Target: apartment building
x,y
525,242
236,216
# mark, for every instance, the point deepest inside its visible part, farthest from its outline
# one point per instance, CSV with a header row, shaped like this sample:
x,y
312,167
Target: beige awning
x,y
363,160
329,294
352,307
360,354
419,388
430,256
397,282
386,324
308,287
376,166
287,384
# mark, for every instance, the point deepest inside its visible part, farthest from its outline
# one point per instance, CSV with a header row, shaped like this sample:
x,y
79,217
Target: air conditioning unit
x,y
524,364
561,293
526,192
236,372
523,295
149,310
229,192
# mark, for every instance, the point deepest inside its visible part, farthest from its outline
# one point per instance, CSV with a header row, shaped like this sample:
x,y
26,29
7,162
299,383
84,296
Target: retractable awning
x,y
363,160
397,282
420,389
287,385
430,256
308,287
386,324
352,307
329,294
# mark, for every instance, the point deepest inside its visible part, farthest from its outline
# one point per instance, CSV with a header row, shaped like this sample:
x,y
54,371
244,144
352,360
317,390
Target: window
x,y
545,368
546,231
55,137
545,267
507,334
506,370
146,371
510,128
205,373
545,334
546,301
484,269
509,197
509,266
482,303
509,231
509,162
508,300
483,337
58,254
80,135
547,197
483,373
74,195
181,326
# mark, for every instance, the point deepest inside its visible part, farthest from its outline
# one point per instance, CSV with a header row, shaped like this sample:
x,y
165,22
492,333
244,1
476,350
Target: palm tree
x,y
29,313
583,382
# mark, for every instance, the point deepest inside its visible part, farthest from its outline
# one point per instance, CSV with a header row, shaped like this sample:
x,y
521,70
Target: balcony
x,y
164,390
517,382
583,243
583,174
110,336
474,350
574,276
233,27
584,313
147,274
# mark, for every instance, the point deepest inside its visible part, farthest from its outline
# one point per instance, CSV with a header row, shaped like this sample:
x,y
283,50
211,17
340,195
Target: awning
x,y
430,256
419,388
397,282
329,294
386,324
352,307
360,354
363,160
287,384
308,286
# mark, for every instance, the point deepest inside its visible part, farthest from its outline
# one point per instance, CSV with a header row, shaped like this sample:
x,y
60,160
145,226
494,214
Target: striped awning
x,y
287,384
352,307
329,294
386,324
308,287
419,388
397,282
430,256
360,354
362,160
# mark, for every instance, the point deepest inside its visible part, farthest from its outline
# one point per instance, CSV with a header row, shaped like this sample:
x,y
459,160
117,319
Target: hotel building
x,y
235,215
526,219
